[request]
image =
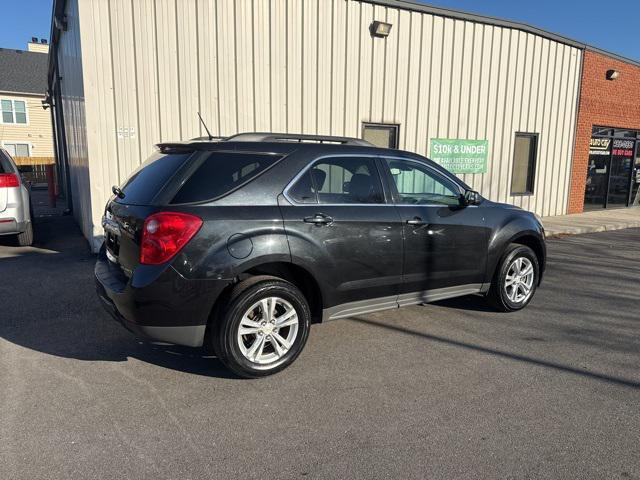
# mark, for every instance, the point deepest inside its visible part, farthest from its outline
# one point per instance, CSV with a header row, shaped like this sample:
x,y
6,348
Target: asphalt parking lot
x,y
449,390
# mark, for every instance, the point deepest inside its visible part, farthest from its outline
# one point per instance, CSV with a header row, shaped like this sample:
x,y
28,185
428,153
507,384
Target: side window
x,y
347,180
418,185
221,172
302,191
339,180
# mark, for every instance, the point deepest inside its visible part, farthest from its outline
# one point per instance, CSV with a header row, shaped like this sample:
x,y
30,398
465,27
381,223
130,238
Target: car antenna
x,y
205,126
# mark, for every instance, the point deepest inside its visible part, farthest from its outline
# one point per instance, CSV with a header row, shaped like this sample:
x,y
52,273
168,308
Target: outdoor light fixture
x,y
380,29
47,101
60,22
612,74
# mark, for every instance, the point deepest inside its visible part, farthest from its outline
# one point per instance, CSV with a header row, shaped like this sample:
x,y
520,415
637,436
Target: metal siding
x,y
188,50
245,80
227,67
295,79
261,73
352,68
312,66
146,78
70,68
390,68
279,119
409,128
336,101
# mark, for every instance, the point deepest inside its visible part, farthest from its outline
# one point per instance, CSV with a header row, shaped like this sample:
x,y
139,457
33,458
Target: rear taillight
x,y
9,180
164,234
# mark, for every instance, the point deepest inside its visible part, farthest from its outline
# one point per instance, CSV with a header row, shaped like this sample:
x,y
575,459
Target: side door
x,y
344,229
445,243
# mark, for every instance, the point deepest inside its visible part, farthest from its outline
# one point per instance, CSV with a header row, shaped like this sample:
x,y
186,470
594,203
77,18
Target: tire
x,y
245,308
25,239
501,295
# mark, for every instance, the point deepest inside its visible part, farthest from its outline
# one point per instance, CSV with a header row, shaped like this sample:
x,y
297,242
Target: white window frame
x,y
17,142
13,111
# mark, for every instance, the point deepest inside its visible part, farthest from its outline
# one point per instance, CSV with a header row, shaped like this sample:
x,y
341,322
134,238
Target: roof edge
x,y
614,56
417,6
24,94
59,6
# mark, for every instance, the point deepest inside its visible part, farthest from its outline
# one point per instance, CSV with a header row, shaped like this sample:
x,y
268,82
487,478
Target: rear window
x,y
145,182
222,172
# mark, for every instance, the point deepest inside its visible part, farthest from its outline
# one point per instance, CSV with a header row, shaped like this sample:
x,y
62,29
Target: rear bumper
x,y
10,226
190,335
162,307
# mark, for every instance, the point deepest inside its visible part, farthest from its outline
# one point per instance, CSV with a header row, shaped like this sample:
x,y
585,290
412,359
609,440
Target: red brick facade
x,y
606,103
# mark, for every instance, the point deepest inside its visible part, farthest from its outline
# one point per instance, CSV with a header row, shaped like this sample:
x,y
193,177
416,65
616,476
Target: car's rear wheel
x,y
515,280
263,328
25,239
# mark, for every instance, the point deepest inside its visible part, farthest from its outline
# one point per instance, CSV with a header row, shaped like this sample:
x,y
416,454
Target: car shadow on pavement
x,y
499,353
476,303
50,306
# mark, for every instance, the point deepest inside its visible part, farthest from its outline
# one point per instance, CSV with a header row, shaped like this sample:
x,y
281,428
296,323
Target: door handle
x,y
318,219
415,221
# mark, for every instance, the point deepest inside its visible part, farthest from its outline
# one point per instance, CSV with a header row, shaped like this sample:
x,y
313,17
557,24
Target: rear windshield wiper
x,y
117,191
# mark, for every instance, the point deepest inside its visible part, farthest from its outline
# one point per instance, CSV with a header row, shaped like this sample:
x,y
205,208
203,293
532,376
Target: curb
x,y
579,230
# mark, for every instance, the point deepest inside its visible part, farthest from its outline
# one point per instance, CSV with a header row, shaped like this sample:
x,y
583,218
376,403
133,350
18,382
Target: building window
x,y
17,149
380,134
14,111
524,163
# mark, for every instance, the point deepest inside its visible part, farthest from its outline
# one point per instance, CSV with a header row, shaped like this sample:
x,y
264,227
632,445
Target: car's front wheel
x,y
515,280
263,328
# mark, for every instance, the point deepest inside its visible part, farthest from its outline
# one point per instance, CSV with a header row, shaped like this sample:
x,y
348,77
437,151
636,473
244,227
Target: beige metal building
x,y
126,75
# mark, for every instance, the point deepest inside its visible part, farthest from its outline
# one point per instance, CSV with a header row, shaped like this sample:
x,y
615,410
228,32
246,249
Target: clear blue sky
x,y
613,25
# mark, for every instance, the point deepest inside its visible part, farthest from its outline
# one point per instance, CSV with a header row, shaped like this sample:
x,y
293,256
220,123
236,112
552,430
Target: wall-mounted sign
x,y
126,132
623,148
600,146
460,156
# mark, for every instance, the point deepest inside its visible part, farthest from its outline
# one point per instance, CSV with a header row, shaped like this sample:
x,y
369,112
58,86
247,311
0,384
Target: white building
x,y
126,75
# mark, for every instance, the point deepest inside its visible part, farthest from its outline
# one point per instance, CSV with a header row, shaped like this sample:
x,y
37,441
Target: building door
x,y
613,169
597,173
620,172
635,179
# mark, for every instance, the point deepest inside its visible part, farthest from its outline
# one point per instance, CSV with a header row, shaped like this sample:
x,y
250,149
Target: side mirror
x,y
471,197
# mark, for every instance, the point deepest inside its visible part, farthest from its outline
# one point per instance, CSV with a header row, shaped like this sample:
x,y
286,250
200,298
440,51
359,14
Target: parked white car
x,y
15,207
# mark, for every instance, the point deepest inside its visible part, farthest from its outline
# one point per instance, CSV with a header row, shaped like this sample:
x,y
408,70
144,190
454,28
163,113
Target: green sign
x,y
460,156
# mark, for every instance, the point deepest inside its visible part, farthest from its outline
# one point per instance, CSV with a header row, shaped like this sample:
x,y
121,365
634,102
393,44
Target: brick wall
x,y
607,103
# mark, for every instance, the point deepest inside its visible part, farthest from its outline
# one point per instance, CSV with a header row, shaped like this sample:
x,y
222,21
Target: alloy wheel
x,y
268,330
518,284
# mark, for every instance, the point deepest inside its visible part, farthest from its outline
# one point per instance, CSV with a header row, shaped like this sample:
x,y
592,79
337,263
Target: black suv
x,y
240,244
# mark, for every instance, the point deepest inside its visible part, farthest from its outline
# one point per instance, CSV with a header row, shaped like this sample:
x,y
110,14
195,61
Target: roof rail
x,y
206,138
296,137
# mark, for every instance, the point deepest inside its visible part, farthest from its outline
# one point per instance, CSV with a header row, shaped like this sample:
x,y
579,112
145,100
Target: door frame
x,y
609,162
